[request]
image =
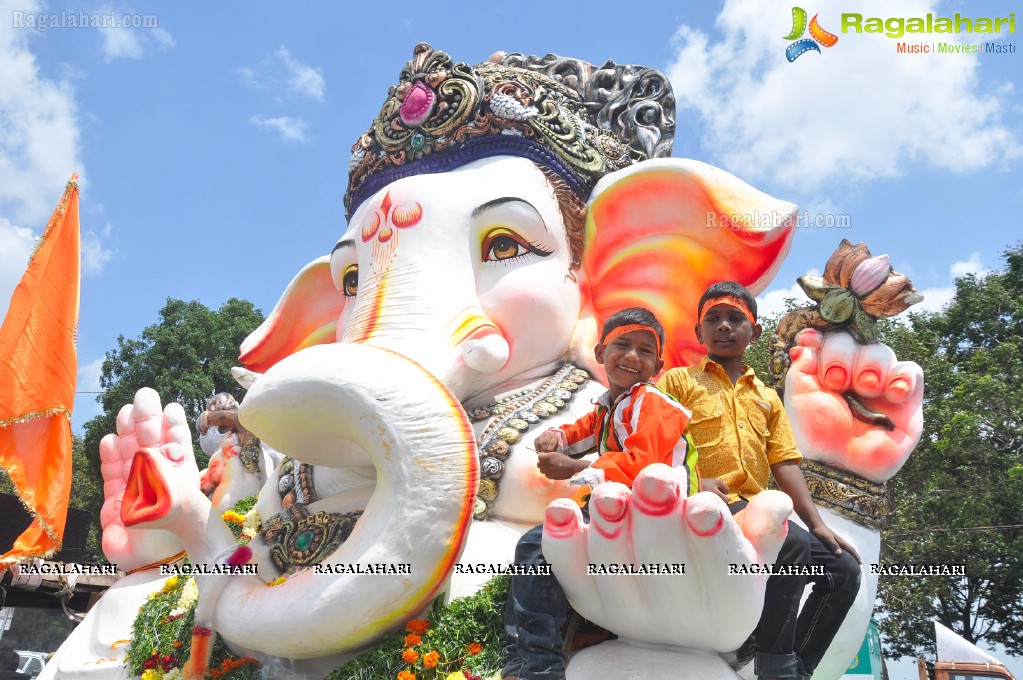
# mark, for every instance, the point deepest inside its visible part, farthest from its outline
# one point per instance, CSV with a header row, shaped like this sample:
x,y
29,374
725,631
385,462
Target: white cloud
x,y
285,75
858,110
301,79
94,255
290,129
39,136
16,245
126,40
39,146
936,298
970,266
773,302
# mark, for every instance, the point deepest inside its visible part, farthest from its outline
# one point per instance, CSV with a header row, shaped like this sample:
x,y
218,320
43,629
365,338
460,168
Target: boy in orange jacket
x,y
632,425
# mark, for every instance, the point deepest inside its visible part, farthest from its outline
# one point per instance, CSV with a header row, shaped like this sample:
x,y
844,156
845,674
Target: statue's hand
x,y
707,605
827,368
141,425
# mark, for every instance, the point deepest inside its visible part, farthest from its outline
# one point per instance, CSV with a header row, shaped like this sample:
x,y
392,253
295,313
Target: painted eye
x,y
502,244
350,281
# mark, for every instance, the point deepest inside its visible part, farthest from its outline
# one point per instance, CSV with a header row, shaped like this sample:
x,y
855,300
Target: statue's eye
x,y
350,281
503,244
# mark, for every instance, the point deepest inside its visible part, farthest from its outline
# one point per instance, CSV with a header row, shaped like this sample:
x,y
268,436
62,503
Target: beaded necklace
x,y
513,415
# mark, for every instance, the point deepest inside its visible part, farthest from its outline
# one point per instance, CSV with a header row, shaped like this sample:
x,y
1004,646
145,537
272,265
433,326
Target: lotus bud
x,y
838,306
858,254
870,274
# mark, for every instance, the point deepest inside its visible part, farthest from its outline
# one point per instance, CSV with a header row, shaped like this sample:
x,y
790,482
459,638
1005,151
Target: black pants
x,y
791,643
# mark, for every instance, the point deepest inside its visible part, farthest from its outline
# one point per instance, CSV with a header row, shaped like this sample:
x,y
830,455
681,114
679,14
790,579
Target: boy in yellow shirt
x,y
743,435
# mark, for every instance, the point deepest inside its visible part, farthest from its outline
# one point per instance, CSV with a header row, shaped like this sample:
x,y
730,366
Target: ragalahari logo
x,y
817,35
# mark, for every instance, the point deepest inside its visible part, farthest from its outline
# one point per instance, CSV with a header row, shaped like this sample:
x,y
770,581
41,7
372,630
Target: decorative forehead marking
x,y
579,120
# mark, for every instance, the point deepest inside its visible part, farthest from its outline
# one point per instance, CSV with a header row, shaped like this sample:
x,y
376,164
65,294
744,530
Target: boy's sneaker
x,y
743,655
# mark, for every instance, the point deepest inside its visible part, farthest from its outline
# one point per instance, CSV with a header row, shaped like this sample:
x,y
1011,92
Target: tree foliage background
x,y
186,357
959,499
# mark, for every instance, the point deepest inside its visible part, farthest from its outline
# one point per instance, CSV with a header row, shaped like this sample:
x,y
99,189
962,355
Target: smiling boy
x,y
744,437
632,425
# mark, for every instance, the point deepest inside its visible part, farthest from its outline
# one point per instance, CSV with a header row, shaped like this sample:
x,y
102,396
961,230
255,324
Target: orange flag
x,y
38,368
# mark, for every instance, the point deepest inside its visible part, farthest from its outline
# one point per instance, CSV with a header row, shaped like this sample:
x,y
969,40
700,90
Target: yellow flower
x,y
170,584
457,675
430,660
233,517
152,674
277,581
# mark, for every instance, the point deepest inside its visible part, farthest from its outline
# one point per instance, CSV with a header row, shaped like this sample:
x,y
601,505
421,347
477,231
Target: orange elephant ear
x,y
305,315
660,232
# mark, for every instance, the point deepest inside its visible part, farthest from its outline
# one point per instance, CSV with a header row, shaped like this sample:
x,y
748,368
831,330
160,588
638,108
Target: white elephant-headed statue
x,y
497,214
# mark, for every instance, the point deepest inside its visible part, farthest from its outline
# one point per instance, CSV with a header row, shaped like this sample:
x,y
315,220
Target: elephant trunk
x,y
341,405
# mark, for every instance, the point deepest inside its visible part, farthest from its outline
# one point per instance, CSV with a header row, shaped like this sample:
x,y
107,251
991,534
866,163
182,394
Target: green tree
x,y
187,357
959,499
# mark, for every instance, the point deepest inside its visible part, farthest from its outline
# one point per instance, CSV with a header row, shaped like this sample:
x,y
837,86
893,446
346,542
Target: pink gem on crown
x,y
418,105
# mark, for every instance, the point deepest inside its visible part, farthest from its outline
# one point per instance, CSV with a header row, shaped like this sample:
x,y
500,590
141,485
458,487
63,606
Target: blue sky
x,y
213,147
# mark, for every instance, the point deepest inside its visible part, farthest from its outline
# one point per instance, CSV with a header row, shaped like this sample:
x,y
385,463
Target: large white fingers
x,y
610,543
764,523
870,374
565,549
716,545
837,361
905,383
148,417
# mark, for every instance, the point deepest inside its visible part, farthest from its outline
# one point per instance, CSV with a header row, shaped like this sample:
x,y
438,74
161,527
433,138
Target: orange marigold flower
x,y
430,659
475,648
406,675
417,626
409,656
177,643
411,640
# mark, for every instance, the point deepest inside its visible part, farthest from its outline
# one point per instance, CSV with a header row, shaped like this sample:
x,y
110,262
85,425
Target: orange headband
x,y
731,301
622,330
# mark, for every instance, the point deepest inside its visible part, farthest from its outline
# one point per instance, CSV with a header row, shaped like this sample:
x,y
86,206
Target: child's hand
x,y
715,486
551,440
835,543
554,465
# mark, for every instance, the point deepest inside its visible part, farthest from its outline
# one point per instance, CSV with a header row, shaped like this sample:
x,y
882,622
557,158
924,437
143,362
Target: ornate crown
x,y
579,120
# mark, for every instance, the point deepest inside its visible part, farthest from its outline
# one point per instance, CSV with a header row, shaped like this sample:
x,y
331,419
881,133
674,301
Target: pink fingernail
x,y
654,496
869,381
899,386
704,520
836,376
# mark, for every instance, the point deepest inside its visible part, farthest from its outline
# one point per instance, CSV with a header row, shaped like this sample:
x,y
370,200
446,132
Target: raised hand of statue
x,y
716,603
143,424
853,406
